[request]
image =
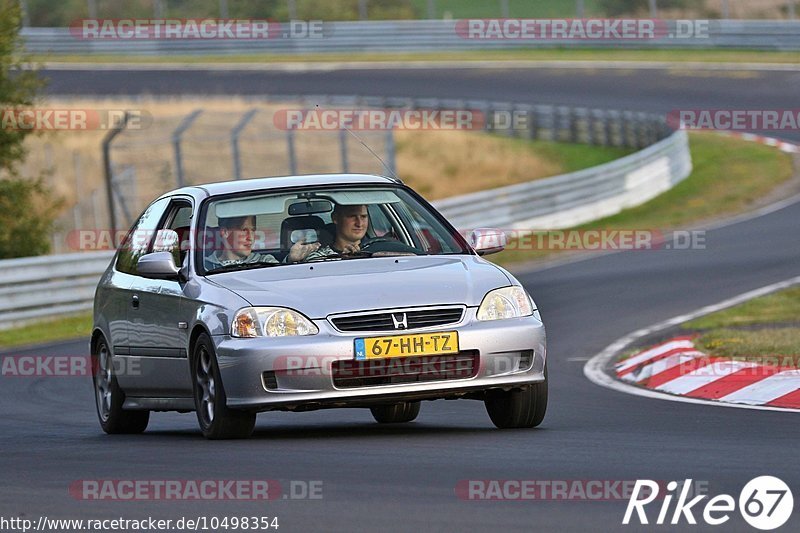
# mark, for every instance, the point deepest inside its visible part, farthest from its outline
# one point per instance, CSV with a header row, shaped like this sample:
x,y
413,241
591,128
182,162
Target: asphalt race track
x,y
404,478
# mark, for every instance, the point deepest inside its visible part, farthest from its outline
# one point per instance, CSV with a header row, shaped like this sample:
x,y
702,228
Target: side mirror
x,y
167,240
158,265
487,241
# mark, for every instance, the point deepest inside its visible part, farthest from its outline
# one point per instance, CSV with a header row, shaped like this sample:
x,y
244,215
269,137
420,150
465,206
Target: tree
x,y
27,209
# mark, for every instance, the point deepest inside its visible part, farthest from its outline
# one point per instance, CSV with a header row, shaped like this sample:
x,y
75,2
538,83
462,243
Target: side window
x,y
179,220
377,219
424,234
140,237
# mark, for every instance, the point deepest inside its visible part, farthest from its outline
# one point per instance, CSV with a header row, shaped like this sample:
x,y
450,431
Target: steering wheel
x,y
388,244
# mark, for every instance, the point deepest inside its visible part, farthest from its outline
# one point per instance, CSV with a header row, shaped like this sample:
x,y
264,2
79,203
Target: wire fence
x,y
203,145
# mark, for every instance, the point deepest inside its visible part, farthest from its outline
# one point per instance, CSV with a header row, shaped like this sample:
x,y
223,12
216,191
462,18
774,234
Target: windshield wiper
x,y
240,266
337,257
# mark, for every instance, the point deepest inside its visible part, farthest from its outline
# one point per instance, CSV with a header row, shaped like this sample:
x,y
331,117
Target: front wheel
x,y
396,413
216,420
519,408
109,397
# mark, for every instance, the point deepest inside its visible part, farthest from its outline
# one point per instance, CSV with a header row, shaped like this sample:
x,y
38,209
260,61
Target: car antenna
x,y
365,145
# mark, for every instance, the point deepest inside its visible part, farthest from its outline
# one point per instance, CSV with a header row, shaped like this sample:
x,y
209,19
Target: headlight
x,y
271,322
508,302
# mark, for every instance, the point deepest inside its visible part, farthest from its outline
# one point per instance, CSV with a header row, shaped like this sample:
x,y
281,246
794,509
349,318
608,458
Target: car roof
x,y
281,182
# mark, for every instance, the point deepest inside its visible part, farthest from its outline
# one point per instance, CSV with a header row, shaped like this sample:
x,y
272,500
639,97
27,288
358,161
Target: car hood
x,y
323,288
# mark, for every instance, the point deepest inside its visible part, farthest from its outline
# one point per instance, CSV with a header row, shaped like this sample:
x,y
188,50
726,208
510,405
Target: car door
x,y
157,332
123,276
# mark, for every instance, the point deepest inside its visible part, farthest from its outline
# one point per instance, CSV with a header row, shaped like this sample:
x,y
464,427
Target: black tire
x,y
216,420
519,408
109,397
397,413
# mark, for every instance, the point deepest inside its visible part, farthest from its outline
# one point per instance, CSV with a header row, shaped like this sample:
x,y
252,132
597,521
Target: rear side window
x,y
140,236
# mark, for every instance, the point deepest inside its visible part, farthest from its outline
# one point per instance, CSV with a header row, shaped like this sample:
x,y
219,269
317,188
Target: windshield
x,y
320,224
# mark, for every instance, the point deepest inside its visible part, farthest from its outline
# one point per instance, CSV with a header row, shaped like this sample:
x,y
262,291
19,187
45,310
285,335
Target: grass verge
x,y
66,328
729,176
551,54
764,330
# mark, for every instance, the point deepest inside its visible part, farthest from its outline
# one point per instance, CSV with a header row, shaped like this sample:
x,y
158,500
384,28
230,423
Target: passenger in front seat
x,y
236,245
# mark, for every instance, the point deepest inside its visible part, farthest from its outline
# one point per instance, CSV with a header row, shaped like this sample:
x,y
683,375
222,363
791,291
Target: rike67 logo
x,y
765,503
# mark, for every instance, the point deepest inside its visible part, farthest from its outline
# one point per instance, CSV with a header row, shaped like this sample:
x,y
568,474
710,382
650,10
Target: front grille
x,y
351,374
382,321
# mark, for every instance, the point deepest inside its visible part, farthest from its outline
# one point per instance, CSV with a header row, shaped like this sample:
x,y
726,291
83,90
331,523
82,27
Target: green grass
x,y
573,157
780,307
48,331
729,175
516,8
777,346
550,54
765,330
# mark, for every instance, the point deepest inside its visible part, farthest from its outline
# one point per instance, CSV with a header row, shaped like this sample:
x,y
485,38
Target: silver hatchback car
x,y
309,292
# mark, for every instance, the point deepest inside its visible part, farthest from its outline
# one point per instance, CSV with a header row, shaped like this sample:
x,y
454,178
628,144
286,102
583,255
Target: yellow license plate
x,y
407,345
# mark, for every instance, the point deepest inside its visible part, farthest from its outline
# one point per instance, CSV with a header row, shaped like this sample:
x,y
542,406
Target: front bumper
x,y
301,375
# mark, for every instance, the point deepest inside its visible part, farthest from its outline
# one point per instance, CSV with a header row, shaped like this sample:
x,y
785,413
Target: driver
x,y
237,237
351,226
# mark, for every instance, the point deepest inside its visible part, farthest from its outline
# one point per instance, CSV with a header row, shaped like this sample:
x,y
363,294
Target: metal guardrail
x,y
61,284
578,197
407,36
35,287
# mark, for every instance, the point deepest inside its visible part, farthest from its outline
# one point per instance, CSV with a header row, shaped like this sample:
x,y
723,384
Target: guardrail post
x,y
343,150
391,152
290,151
488,111
176,143
235,133
614,128
579,9
653,8
504,9
791,9
431,9
644,130
112,218
574,125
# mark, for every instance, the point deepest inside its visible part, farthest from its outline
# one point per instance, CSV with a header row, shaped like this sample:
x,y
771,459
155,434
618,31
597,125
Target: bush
x,y
26,217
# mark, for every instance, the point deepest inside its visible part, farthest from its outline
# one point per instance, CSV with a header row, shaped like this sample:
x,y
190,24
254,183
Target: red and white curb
x,y
677,367
780,144
685,368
